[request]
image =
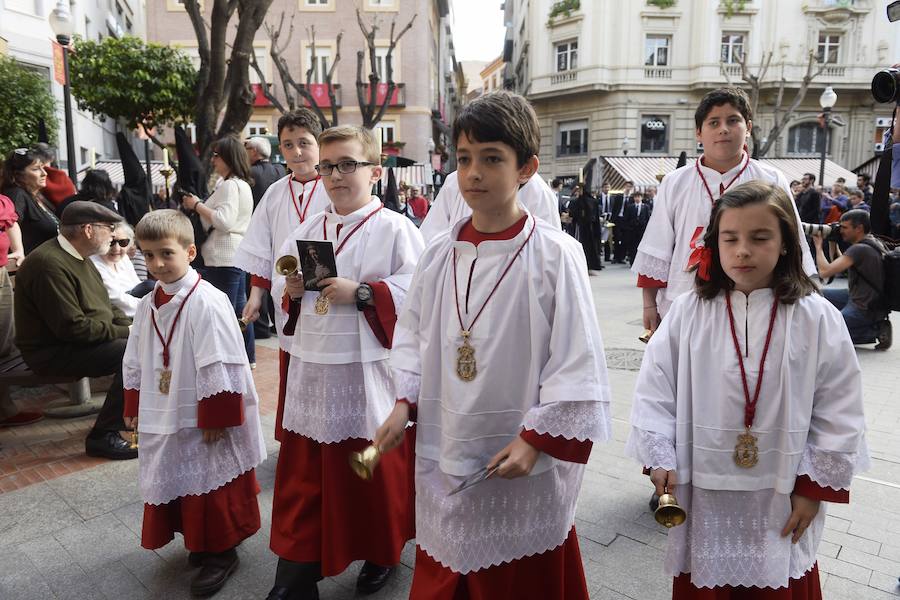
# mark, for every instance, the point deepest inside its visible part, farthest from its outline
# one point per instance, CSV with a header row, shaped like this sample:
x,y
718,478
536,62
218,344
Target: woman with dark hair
x,y
225,215
23,179
95,187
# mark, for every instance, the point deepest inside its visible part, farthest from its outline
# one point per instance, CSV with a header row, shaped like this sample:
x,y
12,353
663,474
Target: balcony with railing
x,y
833,71
732,69
658,72
563,77
398,97
319,92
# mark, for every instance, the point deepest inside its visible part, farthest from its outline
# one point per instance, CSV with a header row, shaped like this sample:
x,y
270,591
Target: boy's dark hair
x,y
789,281
301,118
232,152
504,117
857,217
97,186
639,194
865,177
727,95
556,182
810,176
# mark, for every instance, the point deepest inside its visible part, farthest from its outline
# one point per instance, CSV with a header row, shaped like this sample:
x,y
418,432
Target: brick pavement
x,y
76,535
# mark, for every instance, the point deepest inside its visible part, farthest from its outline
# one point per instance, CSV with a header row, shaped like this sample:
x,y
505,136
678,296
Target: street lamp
x,y
63,27
625,143
827,101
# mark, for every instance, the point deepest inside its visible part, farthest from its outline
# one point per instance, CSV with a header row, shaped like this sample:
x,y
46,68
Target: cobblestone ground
x,y
69,527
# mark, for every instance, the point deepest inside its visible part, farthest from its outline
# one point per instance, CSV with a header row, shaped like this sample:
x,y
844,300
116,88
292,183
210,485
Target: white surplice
x,y
339,383
689,410
207,357
275,217
450,208
540,366
681,205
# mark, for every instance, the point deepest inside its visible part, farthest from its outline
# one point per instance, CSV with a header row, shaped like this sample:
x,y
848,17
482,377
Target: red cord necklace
x,y
466,368
165,377
722,188
746,452
301,216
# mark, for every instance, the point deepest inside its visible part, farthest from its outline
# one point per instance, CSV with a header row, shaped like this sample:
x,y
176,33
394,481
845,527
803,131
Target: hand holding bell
x,y
287,265
364,463
668,513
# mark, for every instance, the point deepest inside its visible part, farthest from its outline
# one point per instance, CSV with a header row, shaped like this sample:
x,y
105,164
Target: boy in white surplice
x,y
190,394
498,353
748,408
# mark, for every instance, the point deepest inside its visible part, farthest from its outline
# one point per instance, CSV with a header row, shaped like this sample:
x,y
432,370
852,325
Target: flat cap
x,y
80,212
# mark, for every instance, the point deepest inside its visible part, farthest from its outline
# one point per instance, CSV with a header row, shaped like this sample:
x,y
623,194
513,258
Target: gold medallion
x,y
321,305
165,378
465,359
746,453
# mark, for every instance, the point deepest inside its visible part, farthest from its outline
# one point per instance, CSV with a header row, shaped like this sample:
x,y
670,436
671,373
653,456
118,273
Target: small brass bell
x,y
645,337
364,463
242,323
287,265
134,440
668,513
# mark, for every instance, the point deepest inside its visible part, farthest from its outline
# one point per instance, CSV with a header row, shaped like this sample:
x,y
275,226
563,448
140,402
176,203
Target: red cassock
x,y
804,588
322,512
284,361
211,522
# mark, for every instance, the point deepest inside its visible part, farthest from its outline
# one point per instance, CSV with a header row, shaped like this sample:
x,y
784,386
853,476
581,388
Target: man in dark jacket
x,y
263,172
65,324
809,200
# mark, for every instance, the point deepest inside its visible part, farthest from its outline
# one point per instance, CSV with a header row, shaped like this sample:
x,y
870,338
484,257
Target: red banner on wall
x,y
59,66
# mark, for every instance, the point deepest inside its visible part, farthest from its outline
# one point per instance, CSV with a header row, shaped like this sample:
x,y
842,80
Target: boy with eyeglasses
x,y
339,384
286,205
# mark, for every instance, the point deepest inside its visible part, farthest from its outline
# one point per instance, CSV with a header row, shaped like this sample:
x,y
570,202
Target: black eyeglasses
x,y
110,226
123,243
345,167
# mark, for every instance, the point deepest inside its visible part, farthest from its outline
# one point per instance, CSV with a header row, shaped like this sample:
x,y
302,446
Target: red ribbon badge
x,y
701,256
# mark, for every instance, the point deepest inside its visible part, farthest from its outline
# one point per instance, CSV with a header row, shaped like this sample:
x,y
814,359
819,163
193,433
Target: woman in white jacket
x,y
117,271
226,215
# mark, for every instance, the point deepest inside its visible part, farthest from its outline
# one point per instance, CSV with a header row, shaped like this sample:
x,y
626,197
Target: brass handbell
x,y
287,265
668,513
364,463
242,323
134,440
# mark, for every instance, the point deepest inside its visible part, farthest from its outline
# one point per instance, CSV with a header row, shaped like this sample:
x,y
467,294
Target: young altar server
x,y
286,204
749,408
449,207
499,360
686,196
190,394
339,384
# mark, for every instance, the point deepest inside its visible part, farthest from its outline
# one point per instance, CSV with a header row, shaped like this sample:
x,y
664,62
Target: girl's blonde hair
x,y
789,281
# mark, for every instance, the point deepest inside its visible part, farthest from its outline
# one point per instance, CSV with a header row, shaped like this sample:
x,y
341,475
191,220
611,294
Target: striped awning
x,y
117,174
414,175
646,171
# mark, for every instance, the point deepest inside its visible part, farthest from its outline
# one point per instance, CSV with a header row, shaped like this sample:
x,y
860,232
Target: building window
x,y
807,138
654,133
388,132
656,51
316,5
377,5
256,128
732,47
323,61
572,138
829,48
566,56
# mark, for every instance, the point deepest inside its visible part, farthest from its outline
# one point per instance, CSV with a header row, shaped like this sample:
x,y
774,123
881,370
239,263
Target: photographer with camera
x,y
861,303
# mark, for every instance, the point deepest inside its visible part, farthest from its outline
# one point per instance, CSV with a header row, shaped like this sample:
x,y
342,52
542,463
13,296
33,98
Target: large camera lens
x,y
886,85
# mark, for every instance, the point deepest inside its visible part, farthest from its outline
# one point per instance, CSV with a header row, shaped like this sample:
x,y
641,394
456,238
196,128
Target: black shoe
x,y
283,593
885,335
109,445
372,577
654,502
195,559
216,570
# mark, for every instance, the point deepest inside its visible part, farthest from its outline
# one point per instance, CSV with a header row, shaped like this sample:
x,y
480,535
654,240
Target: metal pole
x,y
147,163
826,119
67,101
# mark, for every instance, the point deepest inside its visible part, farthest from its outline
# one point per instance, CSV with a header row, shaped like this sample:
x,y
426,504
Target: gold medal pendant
x,y
465,359
746,453
165,378
321,306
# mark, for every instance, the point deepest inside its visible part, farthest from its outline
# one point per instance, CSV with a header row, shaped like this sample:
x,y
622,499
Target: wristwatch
x,y
363,295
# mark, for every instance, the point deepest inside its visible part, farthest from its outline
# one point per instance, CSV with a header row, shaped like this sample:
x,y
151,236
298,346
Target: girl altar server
x,y
286,204
749,408
339,384
190,393
499,359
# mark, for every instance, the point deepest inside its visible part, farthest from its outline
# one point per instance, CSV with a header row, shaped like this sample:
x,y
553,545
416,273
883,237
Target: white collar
x,y
184,284
712,174
68,247
359,214
491,247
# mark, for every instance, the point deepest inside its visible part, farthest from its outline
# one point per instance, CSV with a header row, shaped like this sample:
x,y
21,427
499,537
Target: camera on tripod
x,y
830,232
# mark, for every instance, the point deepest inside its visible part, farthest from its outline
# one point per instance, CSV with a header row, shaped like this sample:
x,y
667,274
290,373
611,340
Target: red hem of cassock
x,y
322,512
284,361
805,588
557,574
212,522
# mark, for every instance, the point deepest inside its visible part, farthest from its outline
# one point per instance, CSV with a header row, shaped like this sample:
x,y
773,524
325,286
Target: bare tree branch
x,y
372,112
265,85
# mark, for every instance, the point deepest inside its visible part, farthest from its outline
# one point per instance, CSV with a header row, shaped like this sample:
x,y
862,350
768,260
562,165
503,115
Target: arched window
x,y
807,138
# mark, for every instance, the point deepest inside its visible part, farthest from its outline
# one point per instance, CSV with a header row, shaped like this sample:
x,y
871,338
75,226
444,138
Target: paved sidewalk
x,y
76,535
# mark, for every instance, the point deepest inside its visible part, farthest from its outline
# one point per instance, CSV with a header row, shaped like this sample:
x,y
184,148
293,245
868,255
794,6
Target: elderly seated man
x,y
65,324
